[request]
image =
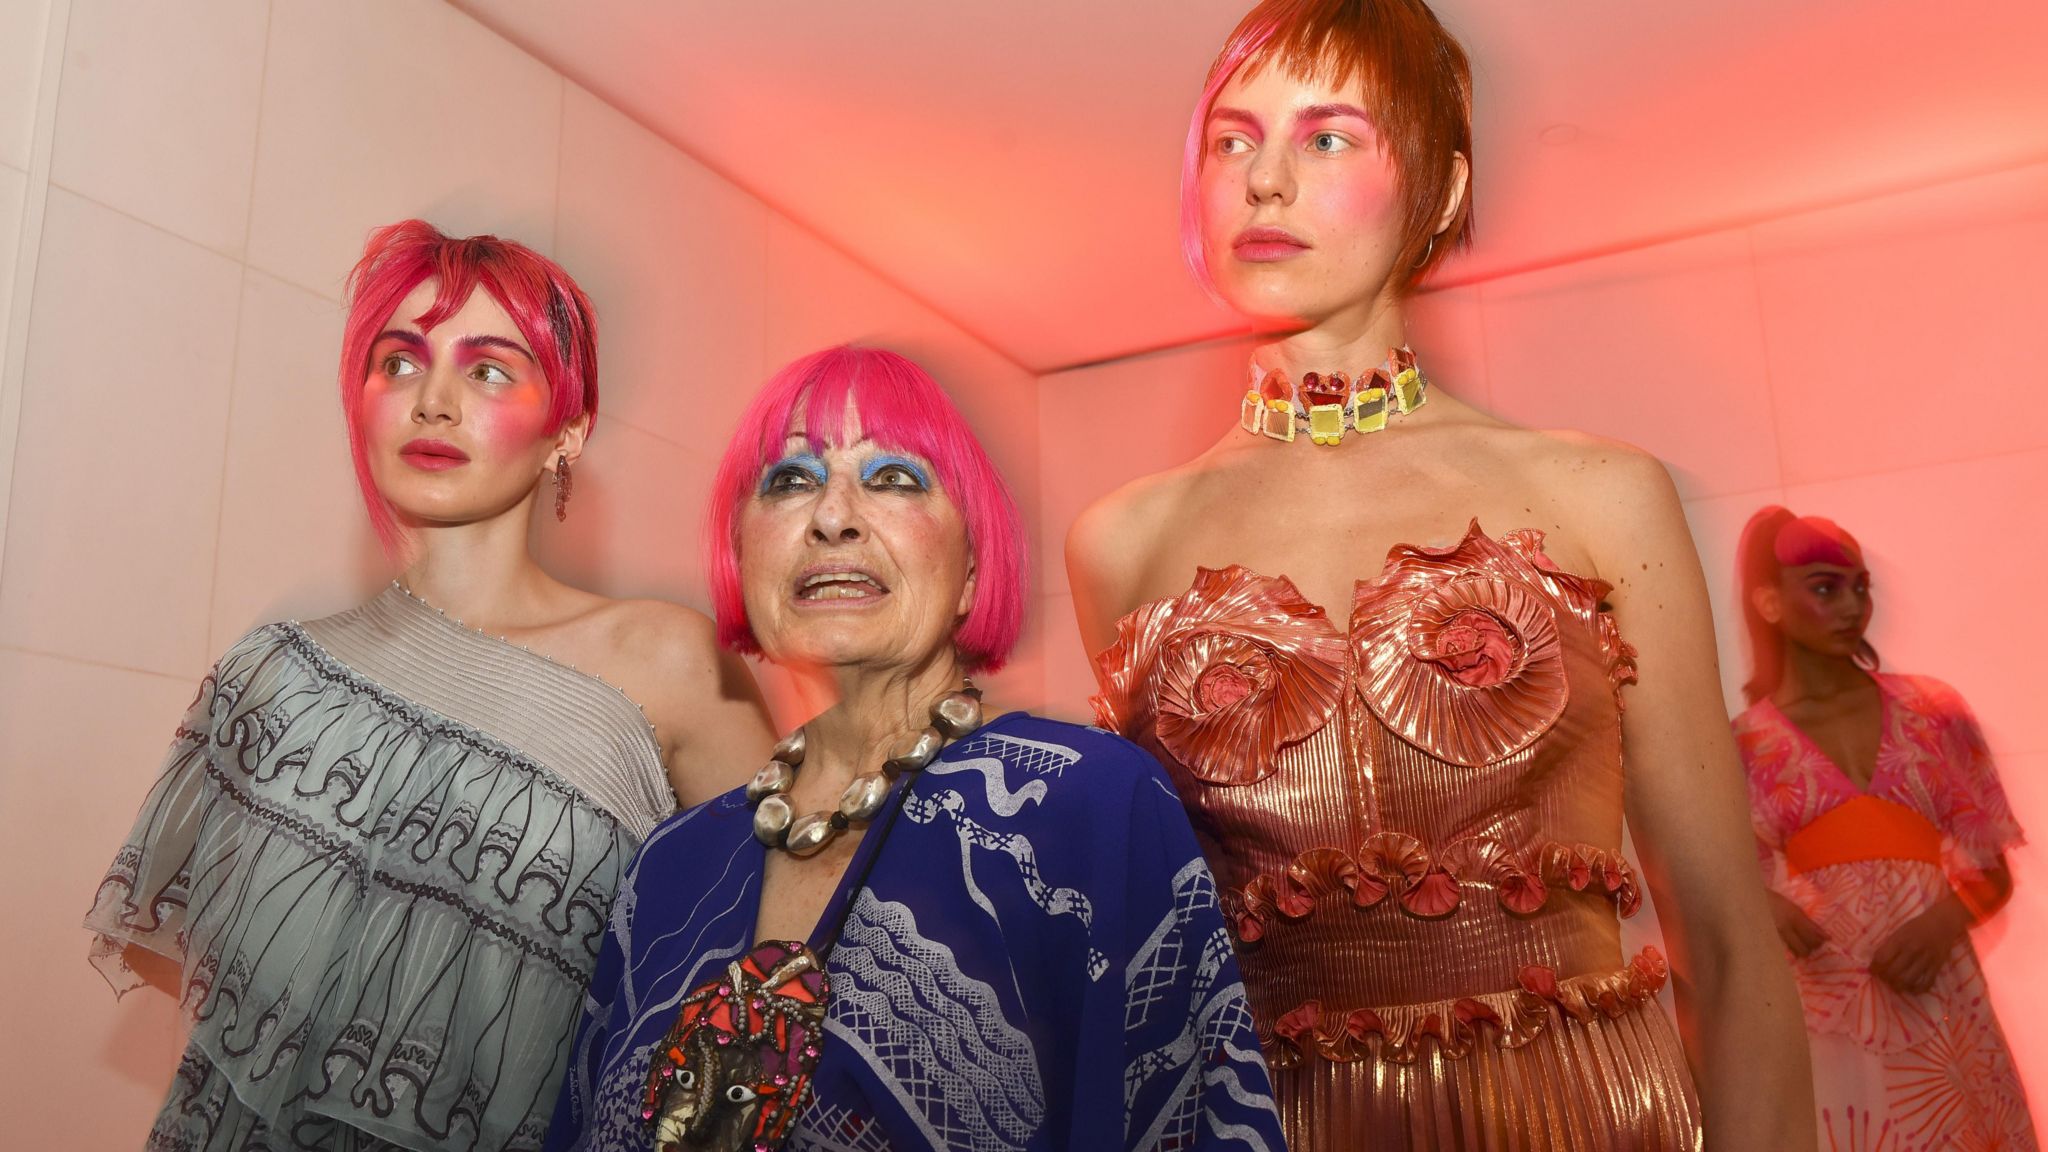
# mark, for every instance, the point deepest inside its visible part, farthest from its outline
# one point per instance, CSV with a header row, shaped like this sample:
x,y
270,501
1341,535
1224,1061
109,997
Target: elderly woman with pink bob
x,y
926,923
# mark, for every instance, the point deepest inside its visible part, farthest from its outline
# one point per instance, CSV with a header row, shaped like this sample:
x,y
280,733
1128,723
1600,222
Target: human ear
x,y
966,604
1461,181
569,441
1769,604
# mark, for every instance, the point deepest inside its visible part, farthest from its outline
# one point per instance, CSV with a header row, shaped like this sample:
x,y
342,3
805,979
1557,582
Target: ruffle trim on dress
x,y
1429,886
1509,1019
381,913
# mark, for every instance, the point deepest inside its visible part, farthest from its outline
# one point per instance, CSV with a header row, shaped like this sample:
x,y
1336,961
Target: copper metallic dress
x,y
1416,827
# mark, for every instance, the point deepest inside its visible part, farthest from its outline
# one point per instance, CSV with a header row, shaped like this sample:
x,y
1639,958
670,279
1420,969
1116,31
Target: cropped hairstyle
x,y
901,409
1418,91
550,311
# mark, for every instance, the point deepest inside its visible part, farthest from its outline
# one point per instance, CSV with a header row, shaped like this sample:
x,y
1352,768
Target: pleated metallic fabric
x,y
1416,825
383,849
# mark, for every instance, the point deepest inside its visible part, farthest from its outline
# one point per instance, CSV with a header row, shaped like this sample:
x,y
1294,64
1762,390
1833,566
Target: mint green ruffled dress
x,y
382,851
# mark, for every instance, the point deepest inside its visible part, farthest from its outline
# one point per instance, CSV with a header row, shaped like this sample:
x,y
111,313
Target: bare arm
x,y
706,707
1103,565
1688,806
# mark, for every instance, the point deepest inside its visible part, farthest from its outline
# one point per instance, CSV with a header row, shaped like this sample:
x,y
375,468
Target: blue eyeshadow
x,y
804,462
876,463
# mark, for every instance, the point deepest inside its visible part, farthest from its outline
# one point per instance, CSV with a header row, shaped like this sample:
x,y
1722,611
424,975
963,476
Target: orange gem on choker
x,y
1328,405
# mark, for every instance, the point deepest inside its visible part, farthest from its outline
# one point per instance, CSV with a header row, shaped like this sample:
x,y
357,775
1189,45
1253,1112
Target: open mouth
x,y
839,584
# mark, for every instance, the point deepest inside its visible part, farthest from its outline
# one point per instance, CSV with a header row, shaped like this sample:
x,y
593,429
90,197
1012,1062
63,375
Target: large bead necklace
x,y
777,825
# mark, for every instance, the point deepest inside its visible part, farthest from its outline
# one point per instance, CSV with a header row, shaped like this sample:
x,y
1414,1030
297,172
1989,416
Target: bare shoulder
x,y
1617,500
1109,540
657,637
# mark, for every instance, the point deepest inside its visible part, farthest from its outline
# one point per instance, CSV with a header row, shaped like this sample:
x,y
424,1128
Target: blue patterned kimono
x,y
1036,961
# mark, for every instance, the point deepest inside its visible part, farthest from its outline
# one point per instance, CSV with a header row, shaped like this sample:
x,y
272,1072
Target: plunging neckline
x,y
1884,729
839,905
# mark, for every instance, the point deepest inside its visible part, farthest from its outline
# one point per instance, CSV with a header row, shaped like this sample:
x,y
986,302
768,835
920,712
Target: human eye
x,y
895,473
799,474
485,372
396,364
1328,142
1231,144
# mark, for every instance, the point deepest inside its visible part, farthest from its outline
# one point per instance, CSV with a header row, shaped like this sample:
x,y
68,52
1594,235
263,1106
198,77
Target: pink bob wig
x,y
1418,91
1772,541
549,309
901,409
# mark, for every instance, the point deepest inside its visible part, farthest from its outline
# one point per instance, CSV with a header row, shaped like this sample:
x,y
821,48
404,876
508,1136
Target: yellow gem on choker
x,y
1275,408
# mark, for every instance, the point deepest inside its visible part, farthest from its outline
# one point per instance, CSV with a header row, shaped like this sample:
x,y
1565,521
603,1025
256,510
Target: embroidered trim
x,y
425,720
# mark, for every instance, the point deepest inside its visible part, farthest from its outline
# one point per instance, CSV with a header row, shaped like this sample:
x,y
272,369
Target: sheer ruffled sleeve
x,y
1977,822
1773,788
141,902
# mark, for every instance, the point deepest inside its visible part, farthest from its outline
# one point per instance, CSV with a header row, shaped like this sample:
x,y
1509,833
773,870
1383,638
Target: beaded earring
x,y
563,484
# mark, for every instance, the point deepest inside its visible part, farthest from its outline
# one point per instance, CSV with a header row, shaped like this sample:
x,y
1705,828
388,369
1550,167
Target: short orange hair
x,y
1418,90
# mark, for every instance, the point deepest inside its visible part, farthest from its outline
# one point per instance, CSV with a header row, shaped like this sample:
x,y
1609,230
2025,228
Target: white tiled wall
x,y
22,25
118,461
187,140
376,111
181,473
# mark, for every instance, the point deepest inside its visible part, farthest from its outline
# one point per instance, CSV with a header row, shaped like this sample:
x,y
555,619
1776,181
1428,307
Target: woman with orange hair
x,y
1882,830
1413,797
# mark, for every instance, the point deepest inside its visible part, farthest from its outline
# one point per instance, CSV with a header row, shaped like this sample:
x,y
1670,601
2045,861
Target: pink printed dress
x,y
1892,1072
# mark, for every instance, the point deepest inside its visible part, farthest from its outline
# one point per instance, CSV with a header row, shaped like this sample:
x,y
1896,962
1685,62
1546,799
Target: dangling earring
x,y
564,484
1426,251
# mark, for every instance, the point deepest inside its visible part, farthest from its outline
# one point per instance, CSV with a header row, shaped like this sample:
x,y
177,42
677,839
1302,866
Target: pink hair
x,y
1418,88
553,314
901,409
1772,541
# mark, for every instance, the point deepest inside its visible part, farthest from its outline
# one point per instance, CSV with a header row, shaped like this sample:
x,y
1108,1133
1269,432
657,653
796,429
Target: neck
x,y
866,714
1350,342
1810,675
480,572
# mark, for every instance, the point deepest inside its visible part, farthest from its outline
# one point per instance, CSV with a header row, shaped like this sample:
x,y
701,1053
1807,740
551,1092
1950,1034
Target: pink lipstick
x,y
432,455
1263,244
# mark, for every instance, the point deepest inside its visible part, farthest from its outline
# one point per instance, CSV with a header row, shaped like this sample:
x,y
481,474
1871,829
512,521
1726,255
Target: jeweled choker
x,y
777,825
1327,405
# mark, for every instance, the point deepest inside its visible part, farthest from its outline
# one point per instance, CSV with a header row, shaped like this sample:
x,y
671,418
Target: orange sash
x,y
1865,828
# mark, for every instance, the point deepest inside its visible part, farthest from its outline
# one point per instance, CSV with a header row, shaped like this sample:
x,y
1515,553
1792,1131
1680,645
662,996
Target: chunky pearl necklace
x,y
777,825
1326,406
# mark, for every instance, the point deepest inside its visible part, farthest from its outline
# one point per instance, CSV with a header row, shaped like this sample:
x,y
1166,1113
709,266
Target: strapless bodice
x,y
1415,817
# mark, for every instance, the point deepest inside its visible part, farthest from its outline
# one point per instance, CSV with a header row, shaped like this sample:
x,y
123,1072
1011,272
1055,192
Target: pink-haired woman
x,y
385,842
918,928
1882,829
1411,776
